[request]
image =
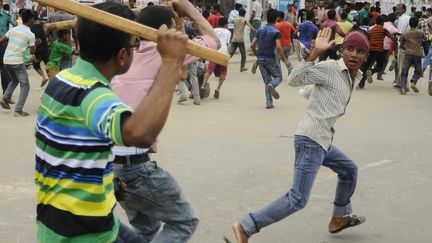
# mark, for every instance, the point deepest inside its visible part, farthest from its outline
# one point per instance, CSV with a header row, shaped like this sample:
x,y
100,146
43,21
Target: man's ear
x,y
122,56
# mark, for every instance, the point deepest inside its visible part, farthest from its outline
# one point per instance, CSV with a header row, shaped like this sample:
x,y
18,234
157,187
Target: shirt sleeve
x,y
32,40
204,40
308,73
65,49
103,110
12,21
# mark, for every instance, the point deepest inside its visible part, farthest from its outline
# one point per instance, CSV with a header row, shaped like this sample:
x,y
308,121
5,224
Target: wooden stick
x,y
62,25
131,27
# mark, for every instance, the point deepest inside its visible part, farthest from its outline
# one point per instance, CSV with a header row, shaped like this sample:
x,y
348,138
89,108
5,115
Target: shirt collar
x,y
88,71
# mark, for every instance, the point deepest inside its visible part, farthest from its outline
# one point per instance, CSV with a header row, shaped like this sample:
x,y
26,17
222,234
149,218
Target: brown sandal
x,y
352,220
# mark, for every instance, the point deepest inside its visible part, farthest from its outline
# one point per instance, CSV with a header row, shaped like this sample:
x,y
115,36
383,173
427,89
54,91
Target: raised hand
x,y
171,44
323,42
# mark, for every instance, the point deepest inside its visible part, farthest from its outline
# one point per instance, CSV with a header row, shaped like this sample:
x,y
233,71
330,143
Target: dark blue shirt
x,y
267,37
308,31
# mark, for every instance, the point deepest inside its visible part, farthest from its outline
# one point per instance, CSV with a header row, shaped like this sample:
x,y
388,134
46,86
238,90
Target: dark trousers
x,y
241,46
4,76
410,60
426,45
374,56
332,53
385,62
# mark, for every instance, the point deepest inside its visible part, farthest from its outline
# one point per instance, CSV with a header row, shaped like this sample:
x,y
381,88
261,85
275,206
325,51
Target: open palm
x,y
323,42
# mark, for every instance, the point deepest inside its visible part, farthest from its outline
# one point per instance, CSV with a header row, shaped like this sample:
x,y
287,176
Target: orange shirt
x,y
213,20
286,30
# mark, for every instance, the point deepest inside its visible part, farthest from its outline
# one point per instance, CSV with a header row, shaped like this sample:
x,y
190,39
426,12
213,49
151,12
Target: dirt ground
x,y
232,156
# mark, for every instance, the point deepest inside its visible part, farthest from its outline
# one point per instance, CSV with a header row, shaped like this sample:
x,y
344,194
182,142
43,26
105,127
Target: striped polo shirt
x,y
20,38
376,37
78,122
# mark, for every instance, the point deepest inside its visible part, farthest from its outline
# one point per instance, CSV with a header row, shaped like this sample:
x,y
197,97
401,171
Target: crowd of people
x,y
99,119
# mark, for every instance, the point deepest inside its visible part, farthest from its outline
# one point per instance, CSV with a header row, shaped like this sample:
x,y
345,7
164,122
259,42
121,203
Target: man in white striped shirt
x,y
330,87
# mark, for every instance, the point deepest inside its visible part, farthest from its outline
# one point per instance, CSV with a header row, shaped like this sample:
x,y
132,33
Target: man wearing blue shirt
x,y
268,38
5,20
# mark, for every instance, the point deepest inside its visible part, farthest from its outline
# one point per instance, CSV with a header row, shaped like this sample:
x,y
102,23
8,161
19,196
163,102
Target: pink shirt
x,y
392,30
134,85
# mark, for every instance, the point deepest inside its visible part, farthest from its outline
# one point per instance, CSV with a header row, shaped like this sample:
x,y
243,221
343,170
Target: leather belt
x,y
133,159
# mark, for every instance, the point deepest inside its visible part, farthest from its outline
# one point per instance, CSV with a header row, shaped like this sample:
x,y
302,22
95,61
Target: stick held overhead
x,y
130,27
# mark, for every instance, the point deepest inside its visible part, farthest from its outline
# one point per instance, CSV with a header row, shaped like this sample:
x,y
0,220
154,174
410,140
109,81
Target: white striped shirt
x,y
20,38
331,93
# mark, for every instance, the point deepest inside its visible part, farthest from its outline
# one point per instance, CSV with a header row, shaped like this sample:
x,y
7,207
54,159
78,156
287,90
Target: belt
x,y
132,159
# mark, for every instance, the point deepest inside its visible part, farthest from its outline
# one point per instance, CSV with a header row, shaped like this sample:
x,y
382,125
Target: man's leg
x,y
21,74
347,171
193,77
243,56
233,48
13,83
276,73
160,200
127,235
222,78
404,74
265,74
4,75
386,59
308,158
417,73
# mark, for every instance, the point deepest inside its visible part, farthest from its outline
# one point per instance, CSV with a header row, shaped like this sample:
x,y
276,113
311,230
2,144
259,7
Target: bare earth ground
x,y
232,156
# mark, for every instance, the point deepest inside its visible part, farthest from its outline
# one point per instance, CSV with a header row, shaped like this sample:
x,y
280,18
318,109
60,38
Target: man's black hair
x,y
35,15
156,16
61,33
26,15
413,22
238,6
403,6
418,14
344,15
99,43
379,20
242,12
281,14
365,21
391,18
216,7
222,22
331,14
271,15
310,15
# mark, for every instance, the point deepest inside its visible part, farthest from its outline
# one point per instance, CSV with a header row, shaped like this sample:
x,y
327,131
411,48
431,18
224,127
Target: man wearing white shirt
x,y
402,24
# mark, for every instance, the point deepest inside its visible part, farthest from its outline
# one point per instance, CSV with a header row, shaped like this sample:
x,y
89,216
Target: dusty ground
x,y
232,156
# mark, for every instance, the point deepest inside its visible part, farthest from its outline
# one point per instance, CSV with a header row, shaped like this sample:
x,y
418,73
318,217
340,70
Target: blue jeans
x,y
127,235
427,61
309,156
4,76
269,69
167,203
18,75
416,62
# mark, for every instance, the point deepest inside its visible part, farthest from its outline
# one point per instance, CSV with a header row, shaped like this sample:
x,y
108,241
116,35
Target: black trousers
x,y
374,56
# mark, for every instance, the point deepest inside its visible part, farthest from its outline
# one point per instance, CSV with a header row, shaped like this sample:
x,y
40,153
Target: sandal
x,y
352,220
21,113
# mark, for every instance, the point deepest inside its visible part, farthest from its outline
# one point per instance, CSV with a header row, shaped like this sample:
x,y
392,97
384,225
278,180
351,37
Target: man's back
x,y
411,42
286,29
20,38
267,36
307,32
239,26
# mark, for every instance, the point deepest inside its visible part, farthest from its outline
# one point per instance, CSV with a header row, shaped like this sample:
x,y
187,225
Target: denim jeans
x,y
127,235
4,76
241,46
167,203
416,62
287,51
18,75
269,69
309,156
427,61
